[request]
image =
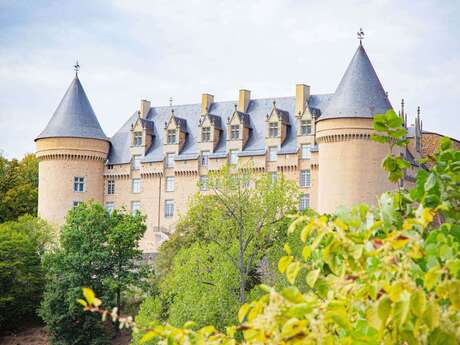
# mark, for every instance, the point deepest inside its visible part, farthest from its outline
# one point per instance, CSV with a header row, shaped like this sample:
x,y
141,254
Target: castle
x,y
155,160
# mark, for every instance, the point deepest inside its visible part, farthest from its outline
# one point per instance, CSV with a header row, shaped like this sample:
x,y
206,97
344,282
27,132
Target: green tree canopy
x,y
18,187
22,244
97,249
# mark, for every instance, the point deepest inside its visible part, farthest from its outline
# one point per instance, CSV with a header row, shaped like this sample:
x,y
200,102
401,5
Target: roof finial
x,y
76,67
418,111
170,101
360,35
402,106
274,104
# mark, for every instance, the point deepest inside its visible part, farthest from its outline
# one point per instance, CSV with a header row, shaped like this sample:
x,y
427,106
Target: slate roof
x,y
256,117
74,116
360,93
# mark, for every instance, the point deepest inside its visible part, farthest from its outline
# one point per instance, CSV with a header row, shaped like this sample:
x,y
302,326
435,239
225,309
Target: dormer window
x,y
171,136
273,129
235,132
305,127
137,139
206,134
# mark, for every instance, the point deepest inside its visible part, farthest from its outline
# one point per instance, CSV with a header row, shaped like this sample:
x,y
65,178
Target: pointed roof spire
x,y
360,93
74,116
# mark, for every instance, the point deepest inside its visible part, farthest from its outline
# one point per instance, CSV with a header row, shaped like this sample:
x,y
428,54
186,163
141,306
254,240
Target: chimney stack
x,y
206,101
302,94
243,102
144,108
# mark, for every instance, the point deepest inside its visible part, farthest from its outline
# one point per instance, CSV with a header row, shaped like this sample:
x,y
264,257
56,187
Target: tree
x,y
244,208
18,187
97,249
22,244
388,274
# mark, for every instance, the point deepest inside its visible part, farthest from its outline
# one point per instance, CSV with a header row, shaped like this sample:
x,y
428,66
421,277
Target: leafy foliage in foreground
x,y
370,275
22,244
97,249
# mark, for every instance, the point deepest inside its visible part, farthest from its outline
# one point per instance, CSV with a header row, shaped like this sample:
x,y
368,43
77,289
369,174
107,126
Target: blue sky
x,y
158,49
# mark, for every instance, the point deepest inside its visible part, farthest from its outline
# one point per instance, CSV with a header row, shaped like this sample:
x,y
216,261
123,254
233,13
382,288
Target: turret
x,y
72,151
350,169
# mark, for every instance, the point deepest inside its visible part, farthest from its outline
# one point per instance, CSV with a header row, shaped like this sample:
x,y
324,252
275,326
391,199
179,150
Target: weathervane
x,y
360,34
170,101
76,67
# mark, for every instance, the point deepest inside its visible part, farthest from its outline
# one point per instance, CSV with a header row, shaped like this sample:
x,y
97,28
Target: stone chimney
x,y
302,94
243,102
144,108
206,101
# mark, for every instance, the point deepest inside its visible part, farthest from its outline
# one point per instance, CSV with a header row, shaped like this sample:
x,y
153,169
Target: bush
x,y
22,244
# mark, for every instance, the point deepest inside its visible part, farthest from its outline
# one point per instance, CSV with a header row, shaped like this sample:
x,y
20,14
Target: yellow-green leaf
x,y
82,302
287,249
432,315
148,336
293,327
304,233
312,277
306,252
243,312
431,277
384,309
89,295
454,294
418,303
284,262
292,271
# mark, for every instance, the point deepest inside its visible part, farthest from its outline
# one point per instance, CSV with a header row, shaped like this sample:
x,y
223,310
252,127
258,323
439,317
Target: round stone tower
x,y
72,151
350,169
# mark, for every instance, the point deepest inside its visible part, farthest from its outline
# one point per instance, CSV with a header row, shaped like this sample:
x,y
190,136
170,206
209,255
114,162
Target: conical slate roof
x,y
74,116
360,93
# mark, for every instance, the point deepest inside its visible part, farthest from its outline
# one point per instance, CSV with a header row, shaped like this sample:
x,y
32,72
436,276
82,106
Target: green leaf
x,y
401,309
430,182
312,277
82,302
432,315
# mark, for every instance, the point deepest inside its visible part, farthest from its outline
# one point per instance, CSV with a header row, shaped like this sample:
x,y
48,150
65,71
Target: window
x,y
235,132
78,184
136,162
170,183
305,127
136,187
169,208
109,207
76,203
273,129
274,175
135,207
203,183
233,157
305,178
206,134
304,202
272,153
171,136
305,151
204,158
137,140
110,186
169,160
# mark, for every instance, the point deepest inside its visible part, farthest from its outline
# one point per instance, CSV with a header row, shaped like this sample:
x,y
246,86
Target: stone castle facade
x,y
156,159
